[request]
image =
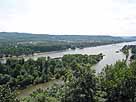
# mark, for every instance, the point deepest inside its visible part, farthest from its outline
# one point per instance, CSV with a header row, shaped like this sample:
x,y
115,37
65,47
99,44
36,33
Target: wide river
x,y
111,54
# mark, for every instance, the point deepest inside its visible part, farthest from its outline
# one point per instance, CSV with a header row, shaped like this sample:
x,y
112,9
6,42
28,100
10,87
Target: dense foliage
x,y
16,44
126,49
6,95
18,73
116,83
77,88
26,37
133,48
29,48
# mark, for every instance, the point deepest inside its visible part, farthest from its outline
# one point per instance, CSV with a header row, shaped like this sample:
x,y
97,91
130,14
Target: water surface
x,y
111,54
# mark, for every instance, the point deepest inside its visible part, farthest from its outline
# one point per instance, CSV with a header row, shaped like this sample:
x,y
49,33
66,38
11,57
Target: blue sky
x,y
111,17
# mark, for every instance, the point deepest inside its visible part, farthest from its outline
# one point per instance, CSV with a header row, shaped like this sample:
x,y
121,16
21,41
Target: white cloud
x,y
69,16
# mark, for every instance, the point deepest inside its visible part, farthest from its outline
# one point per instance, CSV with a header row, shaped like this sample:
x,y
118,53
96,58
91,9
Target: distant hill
x,y
13,36
130,38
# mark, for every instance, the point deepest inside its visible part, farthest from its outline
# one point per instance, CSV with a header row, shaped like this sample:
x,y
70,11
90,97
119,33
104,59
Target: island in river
x,y
18,44
110,57
73,60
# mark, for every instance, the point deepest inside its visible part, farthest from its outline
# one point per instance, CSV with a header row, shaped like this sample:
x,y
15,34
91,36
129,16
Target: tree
x,y
81,88
6,95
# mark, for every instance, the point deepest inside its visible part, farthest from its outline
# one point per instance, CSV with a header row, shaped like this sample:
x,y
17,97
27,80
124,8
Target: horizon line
x,y
124,35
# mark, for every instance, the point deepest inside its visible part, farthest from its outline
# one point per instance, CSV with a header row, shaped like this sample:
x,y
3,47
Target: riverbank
x,y
111,57
46,54
30,89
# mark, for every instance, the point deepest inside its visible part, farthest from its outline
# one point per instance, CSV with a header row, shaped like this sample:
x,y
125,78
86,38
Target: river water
x,y
111,54
30,89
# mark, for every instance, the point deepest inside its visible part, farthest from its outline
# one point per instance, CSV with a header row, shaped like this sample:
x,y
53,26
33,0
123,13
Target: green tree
x,y
6,95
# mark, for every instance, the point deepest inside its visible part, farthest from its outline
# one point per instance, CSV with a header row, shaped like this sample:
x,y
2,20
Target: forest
x,y
18,74
116,83
29,48
18,44
81,83
27,37
126,49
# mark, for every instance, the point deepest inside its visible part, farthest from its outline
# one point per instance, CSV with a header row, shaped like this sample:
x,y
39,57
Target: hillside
x,y
12,36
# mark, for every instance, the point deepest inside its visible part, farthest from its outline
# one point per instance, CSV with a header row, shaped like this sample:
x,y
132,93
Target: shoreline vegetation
x,y
4,57
22,93
19,50
113,84
17,44
80,83
80,80
127,49
18,74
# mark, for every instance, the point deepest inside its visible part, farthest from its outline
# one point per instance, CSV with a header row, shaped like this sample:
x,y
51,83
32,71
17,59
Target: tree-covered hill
x,y
16,44
13,36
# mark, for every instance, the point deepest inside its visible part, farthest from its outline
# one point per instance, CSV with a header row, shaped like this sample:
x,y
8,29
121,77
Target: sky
x,y
81,17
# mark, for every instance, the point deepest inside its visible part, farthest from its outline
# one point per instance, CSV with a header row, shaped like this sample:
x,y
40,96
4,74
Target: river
x,y
30,89
111,54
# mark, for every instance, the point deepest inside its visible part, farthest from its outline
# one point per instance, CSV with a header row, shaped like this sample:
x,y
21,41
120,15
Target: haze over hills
x,y
14,36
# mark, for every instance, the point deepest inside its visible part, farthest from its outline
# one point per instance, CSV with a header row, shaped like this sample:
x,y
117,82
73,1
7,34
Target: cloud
x,y
68,16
